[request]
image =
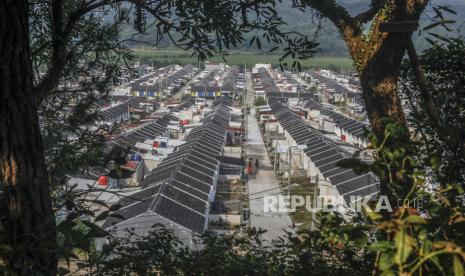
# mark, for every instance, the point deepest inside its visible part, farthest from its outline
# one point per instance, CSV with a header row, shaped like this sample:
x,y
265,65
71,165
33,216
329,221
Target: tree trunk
x,y
378,79
27,218
378,55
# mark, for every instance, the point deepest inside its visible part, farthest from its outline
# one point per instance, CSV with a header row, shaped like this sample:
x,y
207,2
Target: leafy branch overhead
x,y
440,20
364,45
206,28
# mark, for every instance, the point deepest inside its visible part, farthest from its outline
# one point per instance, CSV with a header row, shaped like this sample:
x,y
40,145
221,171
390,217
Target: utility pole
x,y
314,203
289,172
164,90
234,93
129,109
275,152
244,102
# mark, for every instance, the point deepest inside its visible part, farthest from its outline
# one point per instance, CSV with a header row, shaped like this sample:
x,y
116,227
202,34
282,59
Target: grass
x,y
169,56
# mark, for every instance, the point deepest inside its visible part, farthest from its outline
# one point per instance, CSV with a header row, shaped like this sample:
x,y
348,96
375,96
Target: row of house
x,y
287,88
146,132
347,129
169,80
132,146
179,191
164,167
164,82
335,91
225,81
120,112
318,156
263,84
229,85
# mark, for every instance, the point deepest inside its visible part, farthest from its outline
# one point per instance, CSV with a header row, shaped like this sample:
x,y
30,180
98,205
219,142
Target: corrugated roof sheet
x,y
325,154
185,179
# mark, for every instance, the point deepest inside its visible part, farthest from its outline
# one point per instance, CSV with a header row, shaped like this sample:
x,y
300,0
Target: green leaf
x,y
440,37
252,41
431,26
381,246
274,49
403,245
373,216
385,261
448,9
458,266
388,273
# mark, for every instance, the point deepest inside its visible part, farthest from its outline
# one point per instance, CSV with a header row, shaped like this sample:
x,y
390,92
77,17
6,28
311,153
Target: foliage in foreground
x,y
243,253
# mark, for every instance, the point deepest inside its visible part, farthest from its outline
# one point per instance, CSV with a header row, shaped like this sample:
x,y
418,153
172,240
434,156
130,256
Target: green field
x,y
165,57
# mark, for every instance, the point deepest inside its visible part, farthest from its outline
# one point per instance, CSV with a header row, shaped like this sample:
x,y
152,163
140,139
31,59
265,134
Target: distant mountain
x,y
330,41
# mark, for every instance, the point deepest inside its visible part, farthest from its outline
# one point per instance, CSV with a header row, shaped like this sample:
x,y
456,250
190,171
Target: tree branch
x,y
368,15
422,85
416,7
52,77
349,28
333,11
61,32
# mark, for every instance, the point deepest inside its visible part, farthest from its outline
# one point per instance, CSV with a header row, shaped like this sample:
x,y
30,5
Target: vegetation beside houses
x,y
259,101
304,187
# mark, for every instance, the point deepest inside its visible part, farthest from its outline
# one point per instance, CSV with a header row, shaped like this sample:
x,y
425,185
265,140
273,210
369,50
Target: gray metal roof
x,y
147,131
171,79
114,112
325,154
352,126
267,82
179,188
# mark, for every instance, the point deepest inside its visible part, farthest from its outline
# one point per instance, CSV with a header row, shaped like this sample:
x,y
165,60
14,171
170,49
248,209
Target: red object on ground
x,y
343,137
131,164
155,144
103,180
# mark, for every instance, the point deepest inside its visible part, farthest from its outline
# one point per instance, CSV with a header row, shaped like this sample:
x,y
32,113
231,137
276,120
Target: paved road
x,y
263,183
183,88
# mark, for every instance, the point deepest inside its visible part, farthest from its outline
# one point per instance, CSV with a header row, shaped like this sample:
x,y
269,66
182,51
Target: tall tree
x,y
377,40
28,222
378,53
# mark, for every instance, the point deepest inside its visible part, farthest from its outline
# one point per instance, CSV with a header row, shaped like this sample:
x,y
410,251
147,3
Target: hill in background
x,y
330,42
